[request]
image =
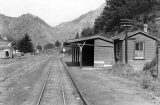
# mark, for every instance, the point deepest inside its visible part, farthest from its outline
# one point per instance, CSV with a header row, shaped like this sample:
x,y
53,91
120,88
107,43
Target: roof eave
x,y
89,38
123,36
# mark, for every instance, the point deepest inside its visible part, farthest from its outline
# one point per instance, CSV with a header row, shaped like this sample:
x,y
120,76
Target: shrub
x,y
151,67
146,80
39,47
49,46
125,70
121,69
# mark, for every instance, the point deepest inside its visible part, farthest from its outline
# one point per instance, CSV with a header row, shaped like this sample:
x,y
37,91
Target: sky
x,y
51,11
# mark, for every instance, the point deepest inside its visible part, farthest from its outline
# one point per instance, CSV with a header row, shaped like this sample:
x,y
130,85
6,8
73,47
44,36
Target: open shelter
x,y
97,51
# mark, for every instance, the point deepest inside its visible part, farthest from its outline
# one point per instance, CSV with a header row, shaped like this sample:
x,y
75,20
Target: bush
x,y
151,67
49,46
125,70
144,78
39,47
121,69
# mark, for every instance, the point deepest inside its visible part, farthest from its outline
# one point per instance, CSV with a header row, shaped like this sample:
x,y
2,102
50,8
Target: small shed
x,y
141,48
6,53
96,52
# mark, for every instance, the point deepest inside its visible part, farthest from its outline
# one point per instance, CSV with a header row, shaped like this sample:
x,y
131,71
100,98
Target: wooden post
x,y
126,23
72,54
158,73
80,57
76,54
81,46
126,46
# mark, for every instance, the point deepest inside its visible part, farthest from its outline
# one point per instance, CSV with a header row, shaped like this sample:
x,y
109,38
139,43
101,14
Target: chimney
x,y
145,26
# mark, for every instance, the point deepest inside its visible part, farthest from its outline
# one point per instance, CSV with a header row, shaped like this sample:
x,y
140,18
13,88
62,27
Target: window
x,y
139,50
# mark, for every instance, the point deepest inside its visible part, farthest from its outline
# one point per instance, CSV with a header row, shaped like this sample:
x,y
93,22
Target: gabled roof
x,y
89,38
129,34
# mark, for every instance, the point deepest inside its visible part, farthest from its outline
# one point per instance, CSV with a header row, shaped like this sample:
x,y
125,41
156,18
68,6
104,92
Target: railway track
x,y
53,91
53,78
81,97
20,70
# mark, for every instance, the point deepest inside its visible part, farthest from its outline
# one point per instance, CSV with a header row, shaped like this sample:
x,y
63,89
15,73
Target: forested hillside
x,y
15,28
140,11
68,30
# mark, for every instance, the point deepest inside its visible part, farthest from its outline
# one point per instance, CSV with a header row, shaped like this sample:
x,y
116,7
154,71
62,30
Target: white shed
x,y
6,53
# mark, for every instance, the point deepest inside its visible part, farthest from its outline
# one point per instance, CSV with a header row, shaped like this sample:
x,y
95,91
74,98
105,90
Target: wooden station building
x,y
97,51
142,48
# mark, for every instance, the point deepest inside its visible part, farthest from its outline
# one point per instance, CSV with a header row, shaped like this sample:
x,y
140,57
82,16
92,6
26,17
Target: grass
x,y
145,78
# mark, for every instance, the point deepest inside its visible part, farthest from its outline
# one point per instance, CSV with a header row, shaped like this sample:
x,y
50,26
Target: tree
x,y
25,45
39,47
109,20
87,32
57,43
77,36
49,46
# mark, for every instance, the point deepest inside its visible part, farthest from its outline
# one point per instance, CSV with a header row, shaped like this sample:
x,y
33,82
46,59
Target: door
x,y
118,51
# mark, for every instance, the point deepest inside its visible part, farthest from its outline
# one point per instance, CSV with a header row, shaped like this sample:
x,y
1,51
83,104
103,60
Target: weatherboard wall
x,y
103,56
149,50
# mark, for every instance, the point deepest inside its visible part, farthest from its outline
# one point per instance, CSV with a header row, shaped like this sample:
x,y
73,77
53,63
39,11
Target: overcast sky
x,y
52,11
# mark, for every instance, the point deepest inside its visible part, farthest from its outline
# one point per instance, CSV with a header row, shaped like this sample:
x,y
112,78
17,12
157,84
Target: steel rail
x,y
44,85
62,88
83,99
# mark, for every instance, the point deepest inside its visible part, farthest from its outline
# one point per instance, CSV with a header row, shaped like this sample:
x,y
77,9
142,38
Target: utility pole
x,y
126,23
126,46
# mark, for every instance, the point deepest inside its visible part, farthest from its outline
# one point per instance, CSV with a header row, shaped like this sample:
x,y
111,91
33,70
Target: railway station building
x,y
97,51
142,48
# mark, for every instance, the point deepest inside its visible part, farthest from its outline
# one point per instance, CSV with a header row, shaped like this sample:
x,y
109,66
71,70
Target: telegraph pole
x,y
126,23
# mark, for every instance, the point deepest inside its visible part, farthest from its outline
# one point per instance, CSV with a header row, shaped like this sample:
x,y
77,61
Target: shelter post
x,y
80,57
81,46
72,54
75,55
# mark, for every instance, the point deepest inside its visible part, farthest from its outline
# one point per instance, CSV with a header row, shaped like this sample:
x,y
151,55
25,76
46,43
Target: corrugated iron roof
x,y
89,38
129,34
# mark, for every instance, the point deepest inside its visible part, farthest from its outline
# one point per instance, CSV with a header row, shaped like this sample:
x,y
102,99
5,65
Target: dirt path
x,y
102,89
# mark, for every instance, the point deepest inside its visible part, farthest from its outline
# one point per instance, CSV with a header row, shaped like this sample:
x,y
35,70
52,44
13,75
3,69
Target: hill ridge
x,y
15,27
69,29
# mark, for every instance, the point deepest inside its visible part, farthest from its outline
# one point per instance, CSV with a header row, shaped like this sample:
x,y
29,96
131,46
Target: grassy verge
x,y
145,78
